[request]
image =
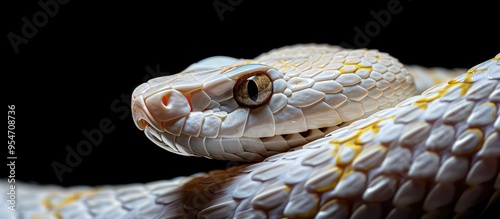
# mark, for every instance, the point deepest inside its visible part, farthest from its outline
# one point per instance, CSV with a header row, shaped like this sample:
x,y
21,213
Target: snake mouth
x,y
160,139
237,149
141,115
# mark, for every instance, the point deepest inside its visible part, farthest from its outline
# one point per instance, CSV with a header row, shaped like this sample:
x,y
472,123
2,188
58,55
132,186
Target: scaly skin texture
x,y
434,155
315,89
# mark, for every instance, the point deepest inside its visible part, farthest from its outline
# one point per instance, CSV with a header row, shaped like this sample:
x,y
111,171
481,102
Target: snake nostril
x,y
143,122
167,105
164,100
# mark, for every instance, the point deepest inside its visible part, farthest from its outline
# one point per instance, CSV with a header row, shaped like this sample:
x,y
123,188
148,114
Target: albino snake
x,y
432,155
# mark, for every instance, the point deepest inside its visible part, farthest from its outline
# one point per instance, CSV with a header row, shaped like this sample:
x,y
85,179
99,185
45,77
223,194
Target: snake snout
x,y
153,106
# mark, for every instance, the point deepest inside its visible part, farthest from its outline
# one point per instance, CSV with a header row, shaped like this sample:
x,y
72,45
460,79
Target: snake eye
x,y
253,91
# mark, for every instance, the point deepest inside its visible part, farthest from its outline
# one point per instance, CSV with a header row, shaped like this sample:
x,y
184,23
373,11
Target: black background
x,y
65,79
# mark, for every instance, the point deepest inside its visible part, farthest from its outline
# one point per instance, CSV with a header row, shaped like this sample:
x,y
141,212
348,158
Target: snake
x,y
322,132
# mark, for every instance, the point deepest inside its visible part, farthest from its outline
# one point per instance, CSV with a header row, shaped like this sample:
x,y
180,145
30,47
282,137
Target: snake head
x,y
216,101
246,110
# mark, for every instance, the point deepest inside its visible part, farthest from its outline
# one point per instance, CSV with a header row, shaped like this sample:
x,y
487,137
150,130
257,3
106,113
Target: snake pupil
x,y
252,90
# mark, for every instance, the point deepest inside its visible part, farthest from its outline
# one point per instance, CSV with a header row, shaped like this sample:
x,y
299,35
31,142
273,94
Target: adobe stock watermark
x,y
221,6
39,19
371,29
94,137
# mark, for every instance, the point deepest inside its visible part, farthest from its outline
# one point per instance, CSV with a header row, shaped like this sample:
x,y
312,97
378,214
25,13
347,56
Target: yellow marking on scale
x,y
373,148
363,67
309,214
287,188
353,141
343,140
481,139
356,149
54,208
464,86
355,138
333,201
347,171
333,183
297,64
336,147
68,200
492,105
322,65
355,68
285,65
497,57
46,201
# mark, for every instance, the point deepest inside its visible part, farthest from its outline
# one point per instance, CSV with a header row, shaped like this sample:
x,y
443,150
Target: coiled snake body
x,y
432,155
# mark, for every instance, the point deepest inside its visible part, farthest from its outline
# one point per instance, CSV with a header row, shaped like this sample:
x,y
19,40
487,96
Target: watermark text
x,y
30,27
381,19
95,136
223,6
11,157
